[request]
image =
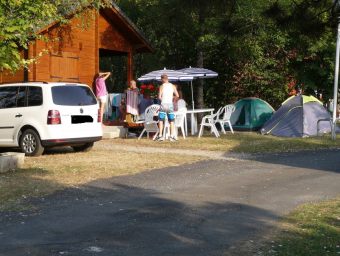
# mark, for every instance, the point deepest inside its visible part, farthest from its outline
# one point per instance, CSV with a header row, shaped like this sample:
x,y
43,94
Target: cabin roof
x,y
127,19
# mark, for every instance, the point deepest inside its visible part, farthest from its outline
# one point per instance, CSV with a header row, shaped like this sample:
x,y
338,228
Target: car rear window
x,y
70,95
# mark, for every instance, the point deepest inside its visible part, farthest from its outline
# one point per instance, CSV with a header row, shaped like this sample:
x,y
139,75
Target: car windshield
x,y
70,95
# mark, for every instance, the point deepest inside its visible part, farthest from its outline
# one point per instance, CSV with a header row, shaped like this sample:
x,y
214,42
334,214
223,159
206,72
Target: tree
x,y
199,19
257,48
21,19
311,27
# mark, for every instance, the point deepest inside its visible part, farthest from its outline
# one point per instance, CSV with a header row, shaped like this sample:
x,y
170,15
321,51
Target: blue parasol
x,y
173,76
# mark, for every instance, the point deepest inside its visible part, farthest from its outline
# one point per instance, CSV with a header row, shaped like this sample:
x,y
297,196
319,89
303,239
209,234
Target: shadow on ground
x,y
320,159
115,218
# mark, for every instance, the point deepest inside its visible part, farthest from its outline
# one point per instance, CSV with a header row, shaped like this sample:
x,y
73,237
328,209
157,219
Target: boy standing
x,y
166,92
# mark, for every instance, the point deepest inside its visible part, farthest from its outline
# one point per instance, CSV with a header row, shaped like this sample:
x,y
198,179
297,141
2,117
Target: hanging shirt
x,y
100,87
167,93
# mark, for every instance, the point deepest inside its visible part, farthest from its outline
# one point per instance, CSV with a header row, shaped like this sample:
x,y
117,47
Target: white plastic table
x,y
194,118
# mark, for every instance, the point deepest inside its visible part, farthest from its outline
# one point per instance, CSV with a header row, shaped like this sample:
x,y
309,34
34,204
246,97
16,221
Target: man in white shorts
x,y
166,93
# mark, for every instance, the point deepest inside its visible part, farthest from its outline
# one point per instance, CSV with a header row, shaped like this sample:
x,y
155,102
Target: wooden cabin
x,y
75,56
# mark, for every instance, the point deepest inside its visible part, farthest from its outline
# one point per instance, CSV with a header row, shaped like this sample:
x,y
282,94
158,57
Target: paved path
x,y
194,209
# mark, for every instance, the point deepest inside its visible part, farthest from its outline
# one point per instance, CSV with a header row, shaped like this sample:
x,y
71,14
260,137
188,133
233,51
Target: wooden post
x,y
32,66
129,77
97,44
130,66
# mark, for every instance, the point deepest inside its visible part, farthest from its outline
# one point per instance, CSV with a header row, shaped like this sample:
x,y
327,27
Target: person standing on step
x,y
101,91
166,92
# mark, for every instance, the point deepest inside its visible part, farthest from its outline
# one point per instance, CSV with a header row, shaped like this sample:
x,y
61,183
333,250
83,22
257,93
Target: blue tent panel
x,y
281,113
298,117
312,113
291,125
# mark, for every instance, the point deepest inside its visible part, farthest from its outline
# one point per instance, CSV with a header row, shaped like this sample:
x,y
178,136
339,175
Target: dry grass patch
x,y
311,229
239,142
63,167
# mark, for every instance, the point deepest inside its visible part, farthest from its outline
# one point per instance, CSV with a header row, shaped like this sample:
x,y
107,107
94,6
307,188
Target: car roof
x,y
39,83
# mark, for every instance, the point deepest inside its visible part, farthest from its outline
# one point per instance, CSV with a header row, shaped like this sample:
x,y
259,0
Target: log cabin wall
x,y
71,58
74,55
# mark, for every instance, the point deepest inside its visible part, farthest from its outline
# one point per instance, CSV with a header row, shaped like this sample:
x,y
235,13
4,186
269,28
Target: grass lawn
x,y
239,142
312,229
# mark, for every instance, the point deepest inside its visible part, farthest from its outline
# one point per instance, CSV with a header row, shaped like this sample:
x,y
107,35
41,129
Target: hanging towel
x,y
132,102
106,108
118,98
114,100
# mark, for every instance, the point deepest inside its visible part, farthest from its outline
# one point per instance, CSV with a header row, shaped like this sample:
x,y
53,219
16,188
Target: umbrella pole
x,y
192,96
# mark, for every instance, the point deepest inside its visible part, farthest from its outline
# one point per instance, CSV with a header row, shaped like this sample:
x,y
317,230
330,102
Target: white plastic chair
x,y
209,121
166,129
149,124
181,105
214,119
226,111
179,121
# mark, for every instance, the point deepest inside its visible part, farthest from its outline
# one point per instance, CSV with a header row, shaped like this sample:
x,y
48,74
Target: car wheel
x,y
84,148
30,143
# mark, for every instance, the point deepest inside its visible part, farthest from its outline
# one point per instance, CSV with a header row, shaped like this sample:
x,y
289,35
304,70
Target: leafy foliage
x,y
262,49
20,20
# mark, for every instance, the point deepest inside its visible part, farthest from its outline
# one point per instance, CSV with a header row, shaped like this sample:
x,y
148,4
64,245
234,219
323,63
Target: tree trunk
x,y
200,60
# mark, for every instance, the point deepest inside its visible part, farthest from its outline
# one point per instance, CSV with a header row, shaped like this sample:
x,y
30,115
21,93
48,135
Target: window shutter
x,y
72,62
57,67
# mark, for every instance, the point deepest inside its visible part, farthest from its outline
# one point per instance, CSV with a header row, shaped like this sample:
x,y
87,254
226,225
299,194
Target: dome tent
x,y
297,117
250,114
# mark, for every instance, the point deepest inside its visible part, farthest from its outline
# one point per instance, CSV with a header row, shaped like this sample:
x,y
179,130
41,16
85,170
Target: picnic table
x,y
193,113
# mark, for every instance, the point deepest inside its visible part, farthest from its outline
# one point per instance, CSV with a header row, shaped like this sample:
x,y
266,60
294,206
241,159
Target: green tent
x,y
250,114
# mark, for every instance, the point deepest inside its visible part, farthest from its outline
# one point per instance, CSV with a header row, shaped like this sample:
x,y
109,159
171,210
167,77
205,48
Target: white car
x,y
39,115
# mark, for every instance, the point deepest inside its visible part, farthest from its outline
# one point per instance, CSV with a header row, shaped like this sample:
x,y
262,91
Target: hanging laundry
x,y
132,102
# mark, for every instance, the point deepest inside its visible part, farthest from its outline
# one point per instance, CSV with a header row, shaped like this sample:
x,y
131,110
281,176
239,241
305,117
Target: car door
x,y
12,107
